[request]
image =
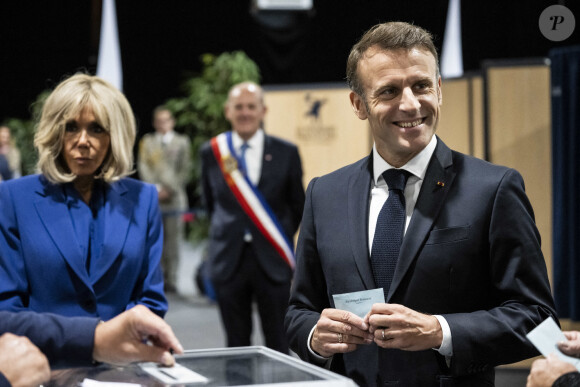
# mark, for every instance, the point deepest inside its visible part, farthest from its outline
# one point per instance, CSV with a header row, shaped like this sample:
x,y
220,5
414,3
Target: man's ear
x,y
358,105
439,92
226,112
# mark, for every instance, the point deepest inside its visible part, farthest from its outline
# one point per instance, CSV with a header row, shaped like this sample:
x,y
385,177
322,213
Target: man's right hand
x,y
572,346
339,331
21,362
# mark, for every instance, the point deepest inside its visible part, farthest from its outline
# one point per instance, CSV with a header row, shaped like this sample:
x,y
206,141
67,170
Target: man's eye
x,y
423,85
389,92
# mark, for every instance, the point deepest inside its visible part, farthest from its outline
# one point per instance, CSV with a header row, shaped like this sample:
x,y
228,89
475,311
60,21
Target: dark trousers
x,y
235,298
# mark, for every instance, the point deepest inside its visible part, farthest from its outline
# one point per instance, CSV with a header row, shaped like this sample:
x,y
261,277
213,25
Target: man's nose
x,y
409,101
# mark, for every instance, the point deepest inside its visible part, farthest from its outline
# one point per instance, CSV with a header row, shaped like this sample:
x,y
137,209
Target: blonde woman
x,y
80,238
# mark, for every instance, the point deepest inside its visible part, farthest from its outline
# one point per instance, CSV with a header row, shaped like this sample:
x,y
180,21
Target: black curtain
x,y
565,66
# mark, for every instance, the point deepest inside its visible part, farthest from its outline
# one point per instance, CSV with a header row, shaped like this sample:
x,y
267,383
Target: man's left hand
x,y
396,326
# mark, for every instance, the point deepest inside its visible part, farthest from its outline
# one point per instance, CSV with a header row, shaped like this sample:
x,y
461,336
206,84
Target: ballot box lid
x,y
240,366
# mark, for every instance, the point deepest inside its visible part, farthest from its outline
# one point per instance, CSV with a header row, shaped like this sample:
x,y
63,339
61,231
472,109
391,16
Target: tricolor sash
x,y
250,198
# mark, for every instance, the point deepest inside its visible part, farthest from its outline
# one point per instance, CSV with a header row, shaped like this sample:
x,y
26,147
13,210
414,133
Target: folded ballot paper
x,y
546,337
359,303
177,374
96,383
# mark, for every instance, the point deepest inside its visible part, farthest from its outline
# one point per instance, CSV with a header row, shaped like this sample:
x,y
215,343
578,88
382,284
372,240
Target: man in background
x,y
165,160
5,172
10,152
253,191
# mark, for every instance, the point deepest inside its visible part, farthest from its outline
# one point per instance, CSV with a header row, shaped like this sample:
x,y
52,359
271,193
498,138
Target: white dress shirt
x,y
253,154
379,194
165,138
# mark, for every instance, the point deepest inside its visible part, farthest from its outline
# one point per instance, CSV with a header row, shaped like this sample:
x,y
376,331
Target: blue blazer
x,y
66,341
471,253
41,264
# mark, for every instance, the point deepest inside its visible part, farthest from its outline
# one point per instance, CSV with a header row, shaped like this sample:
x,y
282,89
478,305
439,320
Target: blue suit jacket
x,y
41,264
64,340
471,253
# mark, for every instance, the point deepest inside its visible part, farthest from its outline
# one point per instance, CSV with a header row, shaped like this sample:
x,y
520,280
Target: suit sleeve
x,y
295,191
64,340
571,379
14,283
207,196
183,169
143,167
308,295
150,292
520,296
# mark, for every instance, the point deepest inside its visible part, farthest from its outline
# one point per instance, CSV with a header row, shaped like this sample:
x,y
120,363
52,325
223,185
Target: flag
x,y
451,53
109,63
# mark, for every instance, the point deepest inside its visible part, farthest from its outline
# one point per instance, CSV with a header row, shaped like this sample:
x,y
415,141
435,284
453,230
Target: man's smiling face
x,y
402,100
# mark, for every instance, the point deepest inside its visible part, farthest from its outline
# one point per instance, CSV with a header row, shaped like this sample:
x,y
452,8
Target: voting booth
x,y
241,366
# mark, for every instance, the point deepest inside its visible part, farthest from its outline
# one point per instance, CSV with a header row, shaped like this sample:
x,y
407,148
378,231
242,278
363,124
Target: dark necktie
x,y
389,230
243,166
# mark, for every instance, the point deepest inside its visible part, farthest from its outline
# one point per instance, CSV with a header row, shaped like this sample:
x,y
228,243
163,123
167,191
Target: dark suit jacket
x,y
41,264
5,172
64,340
471,253
280,184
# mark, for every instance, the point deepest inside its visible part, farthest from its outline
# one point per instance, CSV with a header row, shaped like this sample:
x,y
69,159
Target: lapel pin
x,y
440,184
268,157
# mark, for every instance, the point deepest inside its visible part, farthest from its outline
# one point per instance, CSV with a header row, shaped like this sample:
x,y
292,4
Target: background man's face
x,y
163,121
245,112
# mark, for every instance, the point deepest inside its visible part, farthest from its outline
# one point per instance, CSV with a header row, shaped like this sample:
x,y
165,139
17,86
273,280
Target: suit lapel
x,y
52,210
118,215
267,172
357,216
429,203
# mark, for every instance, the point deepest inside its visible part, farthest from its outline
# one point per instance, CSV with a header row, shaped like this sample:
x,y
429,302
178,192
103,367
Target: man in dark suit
x,y
252,186
5,172
470,280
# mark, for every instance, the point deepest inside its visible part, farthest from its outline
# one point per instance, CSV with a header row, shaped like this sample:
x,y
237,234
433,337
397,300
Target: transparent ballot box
x,y
243,366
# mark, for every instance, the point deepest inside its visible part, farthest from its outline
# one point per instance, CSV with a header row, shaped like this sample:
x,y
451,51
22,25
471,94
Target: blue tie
x,y
390,230
243,166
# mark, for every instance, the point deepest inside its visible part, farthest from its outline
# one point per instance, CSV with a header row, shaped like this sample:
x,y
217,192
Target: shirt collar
x,y
166,137
417,165
72,196
254,142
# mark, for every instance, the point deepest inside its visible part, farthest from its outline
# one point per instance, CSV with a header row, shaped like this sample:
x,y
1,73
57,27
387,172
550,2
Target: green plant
x,y
22,131
200,112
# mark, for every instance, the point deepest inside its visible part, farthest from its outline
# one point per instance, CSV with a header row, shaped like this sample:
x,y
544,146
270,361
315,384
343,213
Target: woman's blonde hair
x,y
112,112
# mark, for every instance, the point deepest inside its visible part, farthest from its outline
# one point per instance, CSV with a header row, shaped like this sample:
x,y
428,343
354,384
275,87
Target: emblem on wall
x,y
311,127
